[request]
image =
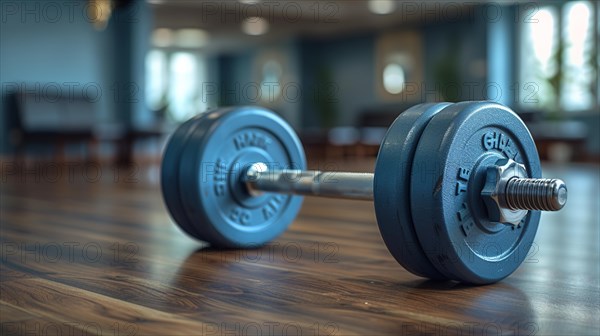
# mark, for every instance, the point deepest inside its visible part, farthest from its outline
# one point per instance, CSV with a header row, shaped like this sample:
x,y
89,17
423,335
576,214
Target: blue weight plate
x,y
216,154
170,174
449,171
392,189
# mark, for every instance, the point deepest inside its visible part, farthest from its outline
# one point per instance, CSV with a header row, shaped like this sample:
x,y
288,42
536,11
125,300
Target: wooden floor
x,y
81,256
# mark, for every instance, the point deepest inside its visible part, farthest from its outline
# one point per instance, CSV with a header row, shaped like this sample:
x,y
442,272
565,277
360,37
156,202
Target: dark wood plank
x,y
105,258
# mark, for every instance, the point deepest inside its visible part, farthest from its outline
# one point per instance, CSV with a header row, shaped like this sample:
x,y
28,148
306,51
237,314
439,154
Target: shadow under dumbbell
x,y
427,284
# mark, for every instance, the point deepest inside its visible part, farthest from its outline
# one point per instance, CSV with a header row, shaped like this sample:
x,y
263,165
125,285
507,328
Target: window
x,y
175,71
559,58
182,85
156,79
578,68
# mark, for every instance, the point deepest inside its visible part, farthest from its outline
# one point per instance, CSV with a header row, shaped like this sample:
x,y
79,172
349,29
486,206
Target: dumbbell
x,y
457,188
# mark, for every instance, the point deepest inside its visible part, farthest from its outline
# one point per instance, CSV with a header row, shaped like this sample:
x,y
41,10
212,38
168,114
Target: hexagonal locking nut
x,y
493,193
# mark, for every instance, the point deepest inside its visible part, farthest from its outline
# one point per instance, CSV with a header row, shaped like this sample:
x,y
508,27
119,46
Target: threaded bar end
x,y
535,194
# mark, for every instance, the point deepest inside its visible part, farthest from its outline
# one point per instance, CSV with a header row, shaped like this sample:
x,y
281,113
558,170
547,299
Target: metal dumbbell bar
x,y
515,193
258,178
456,189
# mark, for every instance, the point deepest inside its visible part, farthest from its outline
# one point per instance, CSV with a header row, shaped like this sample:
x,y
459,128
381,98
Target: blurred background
x,y
109,80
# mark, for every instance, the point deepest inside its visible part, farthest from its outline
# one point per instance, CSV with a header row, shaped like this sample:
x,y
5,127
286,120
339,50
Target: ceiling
x,y
286,18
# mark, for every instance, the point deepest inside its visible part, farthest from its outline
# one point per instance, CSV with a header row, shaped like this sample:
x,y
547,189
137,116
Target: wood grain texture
x,y
80,256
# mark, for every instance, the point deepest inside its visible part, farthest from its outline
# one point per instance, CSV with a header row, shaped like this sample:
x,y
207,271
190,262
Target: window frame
x,y
523,10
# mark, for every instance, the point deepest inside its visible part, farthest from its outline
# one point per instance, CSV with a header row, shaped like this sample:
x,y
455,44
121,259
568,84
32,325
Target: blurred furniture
x,y
37,122
374,122
560,141
126,144
41,120
314,140
342,141
359,140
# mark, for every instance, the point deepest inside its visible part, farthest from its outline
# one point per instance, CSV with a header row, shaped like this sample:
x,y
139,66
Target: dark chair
x,y
37,120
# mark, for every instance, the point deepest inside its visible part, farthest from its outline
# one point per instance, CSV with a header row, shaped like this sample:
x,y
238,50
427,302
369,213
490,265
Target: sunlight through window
x,y
156,79
182,85
557,58
539,47
578,68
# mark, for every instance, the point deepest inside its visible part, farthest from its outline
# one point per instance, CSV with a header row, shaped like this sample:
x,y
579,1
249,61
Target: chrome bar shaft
x,y
357,186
